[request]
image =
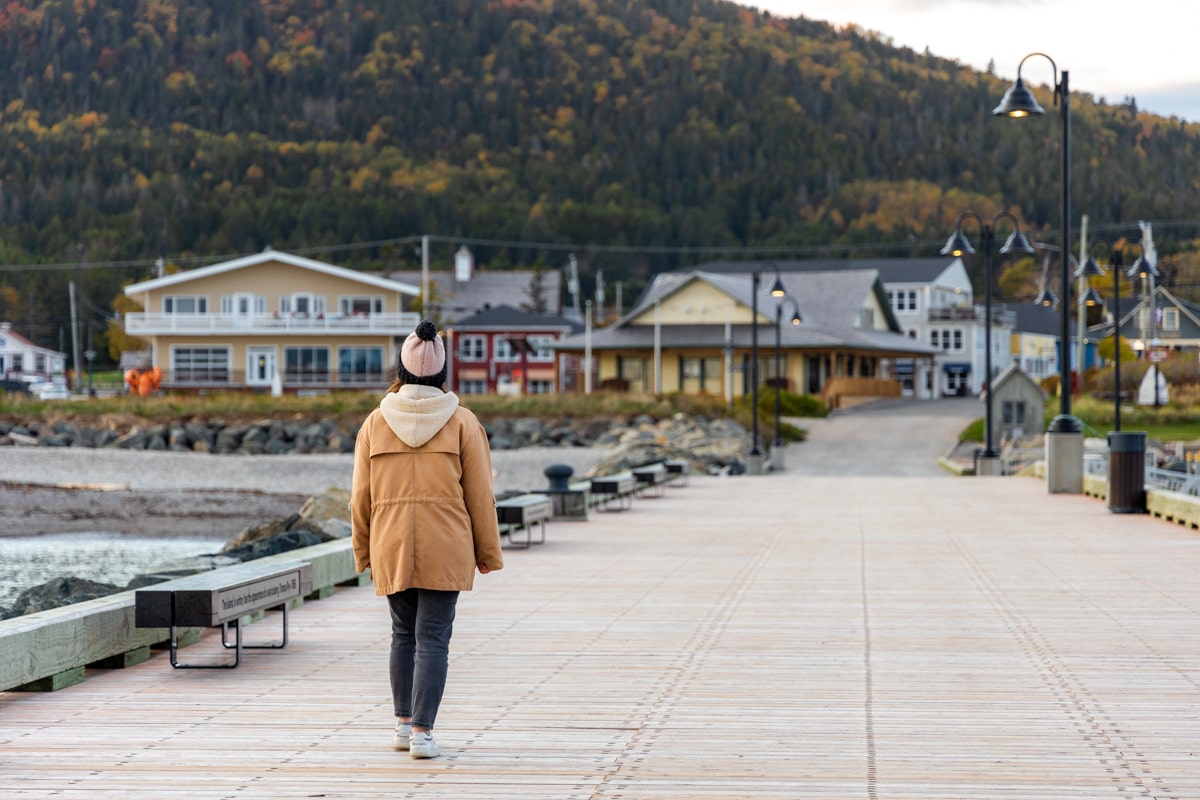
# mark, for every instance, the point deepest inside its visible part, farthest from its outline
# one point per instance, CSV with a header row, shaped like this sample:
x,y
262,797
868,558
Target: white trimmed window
x,y
543,348
360,364
306,364
200,364
472,387
302,304
185,304
242,304
472,348
503,350
360,305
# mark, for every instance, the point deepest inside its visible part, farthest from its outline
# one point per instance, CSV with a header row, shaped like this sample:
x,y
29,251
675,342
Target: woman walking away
x,y
424,519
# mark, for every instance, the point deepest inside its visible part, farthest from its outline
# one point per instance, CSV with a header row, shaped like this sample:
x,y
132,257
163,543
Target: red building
x,y
505,350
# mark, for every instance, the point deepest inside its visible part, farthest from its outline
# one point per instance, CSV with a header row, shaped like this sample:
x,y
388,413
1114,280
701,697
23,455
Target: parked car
x,y
51,391
14,387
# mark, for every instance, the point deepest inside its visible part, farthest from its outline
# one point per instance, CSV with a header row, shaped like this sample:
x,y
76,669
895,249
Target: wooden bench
x,y
678,470
619,487
651,478
222,597
522,513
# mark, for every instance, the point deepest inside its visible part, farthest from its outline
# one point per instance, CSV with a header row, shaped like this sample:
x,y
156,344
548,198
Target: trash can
x,y
1127,472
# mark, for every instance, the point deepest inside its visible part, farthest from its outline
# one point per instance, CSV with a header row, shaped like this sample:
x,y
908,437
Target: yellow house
x,y
692,333
272,321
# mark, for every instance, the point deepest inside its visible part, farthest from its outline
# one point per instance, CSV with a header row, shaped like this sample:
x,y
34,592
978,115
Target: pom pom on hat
x,y
423,356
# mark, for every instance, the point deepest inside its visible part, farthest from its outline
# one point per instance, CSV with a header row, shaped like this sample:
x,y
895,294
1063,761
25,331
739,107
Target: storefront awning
x,y
957,367
903,368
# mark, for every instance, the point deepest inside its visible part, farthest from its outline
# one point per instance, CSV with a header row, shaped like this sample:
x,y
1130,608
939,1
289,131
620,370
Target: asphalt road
x,y
902,438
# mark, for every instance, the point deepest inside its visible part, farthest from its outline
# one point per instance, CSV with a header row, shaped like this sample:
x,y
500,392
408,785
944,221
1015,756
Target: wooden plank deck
x,y
766,637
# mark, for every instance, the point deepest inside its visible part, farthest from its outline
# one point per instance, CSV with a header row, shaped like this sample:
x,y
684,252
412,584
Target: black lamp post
x,y
958,245
1088,298
1118,261
779,361
1019,102
776,291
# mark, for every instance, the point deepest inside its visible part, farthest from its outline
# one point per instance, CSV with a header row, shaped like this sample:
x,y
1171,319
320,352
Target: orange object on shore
x,y
143,382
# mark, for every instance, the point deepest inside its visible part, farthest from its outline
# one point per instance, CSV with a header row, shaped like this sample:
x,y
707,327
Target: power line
x,y
751,250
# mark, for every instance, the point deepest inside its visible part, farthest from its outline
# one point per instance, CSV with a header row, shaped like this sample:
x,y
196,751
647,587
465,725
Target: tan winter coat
x,y
421,507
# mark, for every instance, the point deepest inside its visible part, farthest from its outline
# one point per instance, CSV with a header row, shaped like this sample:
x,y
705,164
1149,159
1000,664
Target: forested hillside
x,y
134,129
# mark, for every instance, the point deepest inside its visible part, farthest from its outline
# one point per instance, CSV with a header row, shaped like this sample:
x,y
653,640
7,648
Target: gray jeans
x,y
422,621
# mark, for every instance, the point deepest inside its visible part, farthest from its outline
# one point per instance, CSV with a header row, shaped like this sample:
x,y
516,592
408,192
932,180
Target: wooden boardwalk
x,y
773,637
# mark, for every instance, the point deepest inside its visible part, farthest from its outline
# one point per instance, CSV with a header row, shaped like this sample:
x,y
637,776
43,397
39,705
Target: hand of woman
x,y
483,568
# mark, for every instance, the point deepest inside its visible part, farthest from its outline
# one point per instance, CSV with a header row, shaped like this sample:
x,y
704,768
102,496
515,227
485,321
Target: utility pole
x,y
600,295
1081,302
424,277
78,382
573,284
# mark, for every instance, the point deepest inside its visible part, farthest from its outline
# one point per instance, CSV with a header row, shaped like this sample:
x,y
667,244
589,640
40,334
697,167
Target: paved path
x,y
896,437
783,636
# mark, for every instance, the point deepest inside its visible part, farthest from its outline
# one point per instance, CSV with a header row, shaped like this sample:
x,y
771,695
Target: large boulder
x,y
60,592
716,447
274,545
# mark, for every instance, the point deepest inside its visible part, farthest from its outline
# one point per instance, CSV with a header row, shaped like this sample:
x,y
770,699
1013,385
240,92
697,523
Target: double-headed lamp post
x,y
1064,442
756,455
958,245
779,363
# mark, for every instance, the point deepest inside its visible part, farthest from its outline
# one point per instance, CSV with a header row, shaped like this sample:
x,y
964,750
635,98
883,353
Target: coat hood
x,y
415,413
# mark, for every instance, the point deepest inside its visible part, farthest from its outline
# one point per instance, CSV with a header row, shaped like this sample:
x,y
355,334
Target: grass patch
x,y
1169,423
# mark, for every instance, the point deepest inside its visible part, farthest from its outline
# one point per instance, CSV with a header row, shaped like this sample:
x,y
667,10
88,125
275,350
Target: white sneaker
x,y
422,745
401,735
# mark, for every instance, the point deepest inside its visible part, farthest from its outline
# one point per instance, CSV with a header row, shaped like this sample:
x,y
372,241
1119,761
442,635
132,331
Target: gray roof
x,y
503,317
829,305
828,301
1035,318
460,299
891,270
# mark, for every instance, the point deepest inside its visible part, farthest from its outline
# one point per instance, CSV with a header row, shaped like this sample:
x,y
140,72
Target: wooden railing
x,y
49,649
839,392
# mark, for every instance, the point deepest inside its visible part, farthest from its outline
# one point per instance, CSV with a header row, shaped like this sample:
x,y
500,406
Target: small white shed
x,y
1018,407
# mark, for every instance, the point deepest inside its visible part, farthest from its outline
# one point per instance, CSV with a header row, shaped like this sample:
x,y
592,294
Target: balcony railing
x,y
1000,316
218,378
141,323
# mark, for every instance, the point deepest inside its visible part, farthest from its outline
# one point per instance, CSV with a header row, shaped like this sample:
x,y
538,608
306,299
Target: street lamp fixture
x,y
957,245
1046,297
779,362
1019,102
777,290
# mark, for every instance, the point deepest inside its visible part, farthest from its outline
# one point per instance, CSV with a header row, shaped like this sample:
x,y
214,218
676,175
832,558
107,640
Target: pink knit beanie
x,y
423,354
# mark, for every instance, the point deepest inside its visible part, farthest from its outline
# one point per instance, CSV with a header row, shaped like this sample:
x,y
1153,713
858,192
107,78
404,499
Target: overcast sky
x,y
1148,49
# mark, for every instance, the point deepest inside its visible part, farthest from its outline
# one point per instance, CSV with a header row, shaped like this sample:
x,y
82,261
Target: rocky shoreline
x,y
157,480
272,436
